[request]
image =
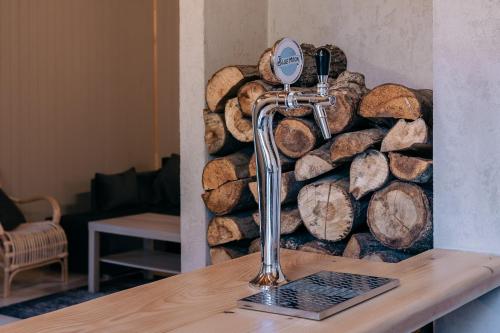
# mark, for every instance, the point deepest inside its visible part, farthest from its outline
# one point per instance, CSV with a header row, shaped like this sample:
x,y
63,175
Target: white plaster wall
x,y
213,34
387,40
466,137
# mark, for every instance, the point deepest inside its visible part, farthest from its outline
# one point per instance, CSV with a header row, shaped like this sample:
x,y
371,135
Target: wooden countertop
x,y
432,284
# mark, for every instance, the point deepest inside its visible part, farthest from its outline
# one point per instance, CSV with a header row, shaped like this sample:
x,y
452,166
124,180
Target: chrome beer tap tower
x,y
287,63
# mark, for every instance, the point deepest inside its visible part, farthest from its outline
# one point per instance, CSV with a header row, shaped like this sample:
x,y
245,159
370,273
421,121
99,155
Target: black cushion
x,y
116,190
10,215
145,181
167,183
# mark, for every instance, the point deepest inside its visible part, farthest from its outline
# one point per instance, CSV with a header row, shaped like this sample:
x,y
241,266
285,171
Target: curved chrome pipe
x,y
269,175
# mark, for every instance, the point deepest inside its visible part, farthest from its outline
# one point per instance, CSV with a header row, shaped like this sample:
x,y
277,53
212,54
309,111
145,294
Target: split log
x,y
290,220
225,229
338,64
225,83
397,101
314,163
324,247
389,255
413,135
240,127
296,240
410,168
220,254
400,217
229,197
327,209
217,137
348,89
222,170
295,137
286,163
248,94
346,146
290,188
369,172
350,80
361,245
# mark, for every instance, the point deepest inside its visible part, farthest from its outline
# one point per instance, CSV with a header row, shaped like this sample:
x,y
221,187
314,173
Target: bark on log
x,y
254,246
400,217
286,162
369,172
314,163
290,220
346,146
295,137
413,135
296,240
338,64
224,84
389,255
225,169
220,254
217,137
324,247
349,89
409,168
230,197
328,211
249,93
397,101
309,77
239,126
290,188
225,229
361,245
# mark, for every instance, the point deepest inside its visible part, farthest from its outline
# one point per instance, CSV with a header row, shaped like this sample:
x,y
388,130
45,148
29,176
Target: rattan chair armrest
x,y
56,208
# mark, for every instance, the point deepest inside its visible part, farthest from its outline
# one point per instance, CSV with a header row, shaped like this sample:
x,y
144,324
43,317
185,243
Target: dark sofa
x,y
157,192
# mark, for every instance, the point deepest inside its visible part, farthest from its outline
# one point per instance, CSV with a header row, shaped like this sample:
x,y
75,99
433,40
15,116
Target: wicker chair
x,y
33,244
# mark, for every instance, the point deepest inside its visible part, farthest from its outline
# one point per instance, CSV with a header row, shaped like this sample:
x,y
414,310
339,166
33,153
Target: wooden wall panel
x,y
75,93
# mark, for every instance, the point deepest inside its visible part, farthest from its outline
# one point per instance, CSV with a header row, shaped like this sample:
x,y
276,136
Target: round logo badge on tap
x,y
287,60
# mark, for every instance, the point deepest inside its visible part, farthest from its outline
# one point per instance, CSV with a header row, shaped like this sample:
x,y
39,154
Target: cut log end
x,y
406,136
395,101
314,163
290,220
409,168
346,146
399,216
248,94
290,188
225,229
369,172
239,126
324,247
232,196
217,137
225,83
225,169
295,137
328,210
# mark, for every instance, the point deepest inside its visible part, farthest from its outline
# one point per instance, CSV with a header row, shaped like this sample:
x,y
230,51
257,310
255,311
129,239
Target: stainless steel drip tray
x,y
319,295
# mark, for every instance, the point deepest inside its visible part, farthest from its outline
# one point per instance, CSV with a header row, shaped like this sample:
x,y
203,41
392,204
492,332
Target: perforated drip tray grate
x,y
319,295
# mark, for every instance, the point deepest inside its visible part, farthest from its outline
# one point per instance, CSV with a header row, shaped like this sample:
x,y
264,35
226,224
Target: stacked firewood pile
x,y
366,193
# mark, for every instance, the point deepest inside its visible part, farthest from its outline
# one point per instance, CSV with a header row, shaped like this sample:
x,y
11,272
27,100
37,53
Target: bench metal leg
x,y
149,245
94,271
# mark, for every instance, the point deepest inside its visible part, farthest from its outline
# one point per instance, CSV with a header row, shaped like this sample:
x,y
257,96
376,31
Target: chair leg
x,y
64,270
6,283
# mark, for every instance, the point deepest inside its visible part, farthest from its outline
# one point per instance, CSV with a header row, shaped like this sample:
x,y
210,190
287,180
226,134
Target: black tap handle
x,y
322,61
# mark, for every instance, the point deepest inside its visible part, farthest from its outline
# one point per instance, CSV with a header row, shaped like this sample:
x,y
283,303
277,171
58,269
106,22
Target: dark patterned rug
x,y
70,297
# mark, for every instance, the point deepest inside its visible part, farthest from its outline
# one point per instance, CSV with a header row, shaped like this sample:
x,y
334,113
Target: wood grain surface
x,y
432,284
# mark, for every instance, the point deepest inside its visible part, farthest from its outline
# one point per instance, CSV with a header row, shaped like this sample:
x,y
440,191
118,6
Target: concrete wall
x,y
213,34
387,40
466,136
